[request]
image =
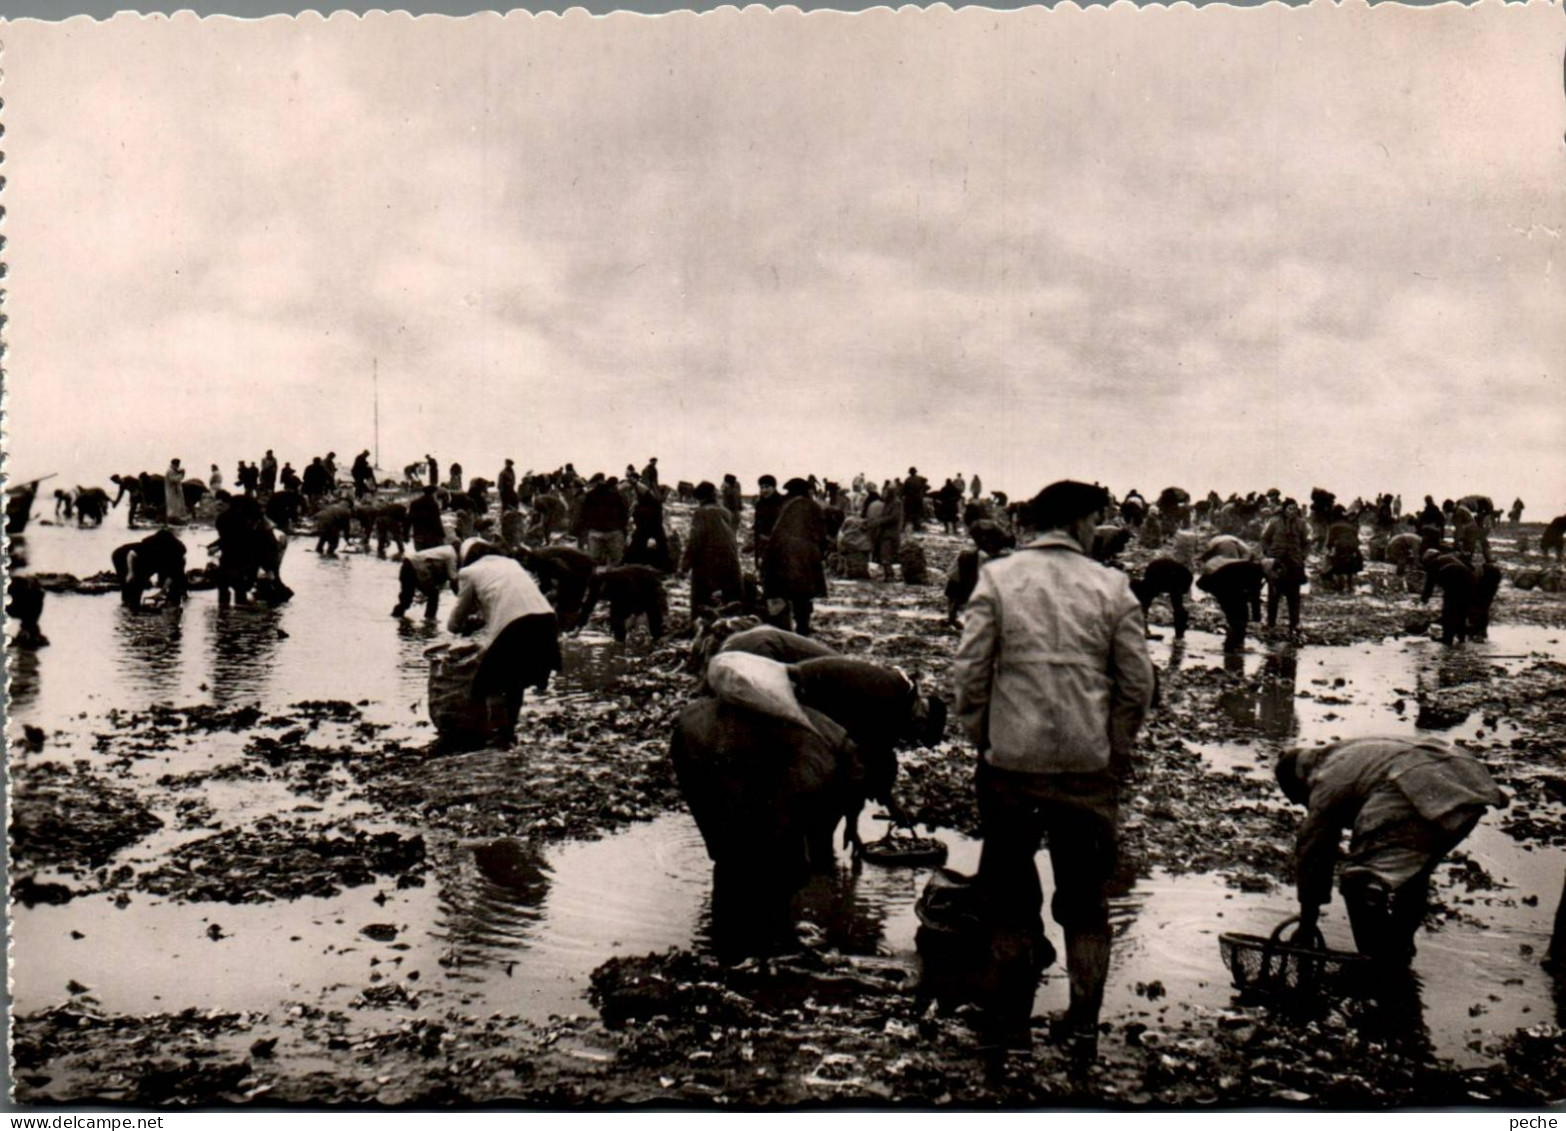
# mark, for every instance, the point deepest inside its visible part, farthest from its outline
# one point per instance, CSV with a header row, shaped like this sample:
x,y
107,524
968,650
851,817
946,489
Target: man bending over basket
x,y
1408,803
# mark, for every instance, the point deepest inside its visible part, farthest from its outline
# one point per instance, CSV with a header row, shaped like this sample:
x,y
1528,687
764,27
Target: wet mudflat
x,y
242,876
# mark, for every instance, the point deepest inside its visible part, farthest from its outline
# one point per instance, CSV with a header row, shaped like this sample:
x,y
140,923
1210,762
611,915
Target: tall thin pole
x,y
375,381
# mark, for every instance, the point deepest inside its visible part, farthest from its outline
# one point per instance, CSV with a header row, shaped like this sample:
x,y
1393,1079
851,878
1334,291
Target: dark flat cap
x,y
1064,502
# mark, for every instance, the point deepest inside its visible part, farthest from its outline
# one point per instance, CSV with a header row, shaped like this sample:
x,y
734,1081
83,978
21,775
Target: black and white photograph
x,y
769,560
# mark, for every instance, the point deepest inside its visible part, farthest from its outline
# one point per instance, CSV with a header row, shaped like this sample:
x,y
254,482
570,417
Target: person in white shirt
x,y
500,607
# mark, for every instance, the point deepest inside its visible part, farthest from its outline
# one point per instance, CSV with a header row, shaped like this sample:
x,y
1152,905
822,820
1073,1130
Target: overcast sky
x,y
1217,248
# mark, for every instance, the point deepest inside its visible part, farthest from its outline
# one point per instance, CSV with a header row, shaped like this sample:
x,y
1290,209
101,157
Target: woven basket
x,y
1294,967
907,850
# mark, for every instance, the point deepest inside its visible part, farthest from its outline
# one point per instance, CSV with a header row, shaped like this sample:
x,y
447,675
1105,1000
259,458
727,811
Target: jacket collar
x,y
1055,540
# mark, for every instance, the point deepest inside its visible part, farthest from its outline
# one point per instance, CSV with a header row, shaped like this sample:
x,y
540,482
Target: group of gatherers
x,y
1052,681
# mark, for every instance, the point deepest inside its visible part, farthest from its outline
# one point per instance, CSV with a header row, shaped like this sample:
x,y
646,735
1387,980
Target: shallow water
x,y
500,927
524,937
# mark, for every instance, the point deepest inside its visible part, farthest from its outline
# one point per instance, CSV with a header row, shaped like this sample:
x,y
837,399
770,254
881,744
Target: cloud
x,y
1212,245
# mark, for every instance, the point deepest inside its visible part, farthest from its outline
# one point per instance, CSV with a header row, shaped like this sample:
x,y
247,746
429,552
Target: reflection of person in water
x,y
1279,673
854,924
25,682
1267,703
244,650
490,908
153,643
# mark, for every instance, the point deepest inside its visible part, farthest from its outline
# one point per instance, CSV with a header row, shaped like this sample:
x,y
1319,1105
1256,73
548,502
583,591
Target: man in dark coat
x,y
733,500
159,556
363,474
549,515
283,509
1285,544
564,575
948,502
333,525
1344,557
315,481
24,605
711,554
769,504
129,487
602,521
990,541
631,590
1458,582
506,483
424,520
649,544
1553,540
793,572
1236,585
880,708
766,793
389,522
1486,585
915,487
247,545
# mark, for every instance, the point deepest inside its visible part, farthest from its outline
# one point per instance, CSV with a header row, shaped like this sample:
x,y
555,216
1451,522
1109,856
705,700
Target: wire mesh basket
x,y
906,850
1298,966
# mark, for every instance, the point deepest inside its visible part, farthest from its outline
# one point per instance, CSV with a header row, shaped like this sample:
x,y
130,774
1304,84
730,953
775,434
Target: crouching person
x,y
1236,585
1407,802
880,708
426,572
501,610
1165,577
767,784
157,559
631,591
1458,582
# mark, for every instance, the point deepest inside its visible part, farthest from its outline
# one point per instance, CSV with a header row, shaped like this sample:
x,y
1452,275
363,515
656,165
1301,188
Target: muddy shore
x,y
225,813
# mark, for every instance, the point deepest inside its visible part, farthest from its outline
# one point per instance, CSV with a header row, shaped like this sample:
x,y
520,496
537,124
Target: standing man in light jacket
x,y
1053,680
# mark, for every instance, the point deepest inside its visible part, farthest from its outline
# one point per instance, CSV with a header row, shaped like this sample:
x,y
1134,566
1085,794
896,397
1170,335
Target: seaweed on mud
x,y
278,859
69,816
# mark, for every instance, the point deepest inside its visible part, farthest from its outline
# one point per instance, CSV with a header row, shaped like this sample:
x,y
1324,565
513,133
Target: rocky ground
x,y
811,1028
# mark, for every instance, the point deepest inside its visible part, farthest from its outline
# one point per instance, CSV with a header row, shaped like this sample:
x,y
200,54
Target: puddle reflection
x,y
149,648
24,677
244,651
492,904
1266,703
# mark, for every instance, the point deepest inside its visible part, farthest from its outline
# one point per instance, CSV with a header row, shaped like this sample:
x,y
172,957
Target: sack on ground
x,y
452,708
